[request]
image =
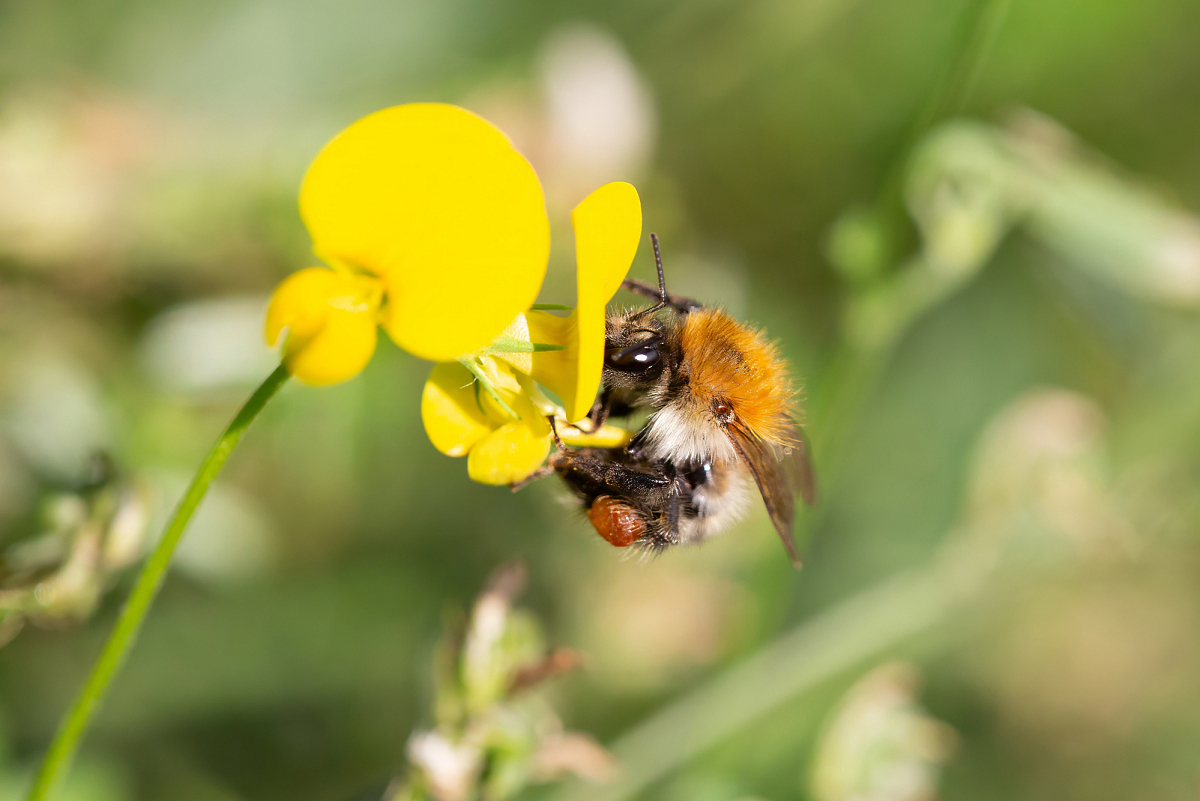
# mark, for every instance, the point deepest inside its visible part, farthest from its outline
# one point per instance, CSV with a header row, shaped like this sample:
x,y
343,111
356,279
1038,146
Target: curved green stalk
x,y
66,740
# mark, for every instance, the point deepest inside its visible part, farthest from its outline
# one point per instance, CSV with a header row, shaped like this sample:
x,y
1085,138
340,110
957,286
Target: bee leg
x,y
644,485
674,513
558,443
634,449
582,473
663,530
541,472
632,478
598,416
651,487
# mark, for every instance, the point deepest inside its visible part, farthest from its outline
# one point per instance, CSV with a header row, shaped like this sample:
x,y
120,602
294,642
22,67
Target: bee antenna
x,y
662,281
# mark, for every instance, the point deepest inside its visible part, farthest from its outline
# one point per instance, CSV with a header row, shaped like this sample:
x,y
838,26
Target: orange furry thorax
x,y
728,362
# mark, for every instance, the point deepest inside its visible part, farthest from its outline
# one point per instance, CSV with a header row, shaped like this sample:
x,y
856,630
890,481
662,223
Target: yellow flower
x,y
460,418
434,227
608,225
433,209
506,437
564,354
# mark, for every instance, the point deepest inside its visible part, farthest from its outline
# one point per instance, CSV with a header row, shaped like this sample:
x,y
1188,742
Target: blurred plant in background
x,y
496,733
58,576
880,744
970,184
992,313
1037,508
434,229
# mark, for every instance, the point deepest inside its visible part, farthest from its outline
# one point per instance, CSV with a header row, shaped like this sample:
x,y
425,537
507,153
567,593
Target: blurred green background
x,y
969,225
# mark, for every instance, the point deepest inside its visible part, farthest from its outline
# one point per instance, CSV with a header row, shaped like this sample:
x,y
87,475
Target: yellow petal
x,y
508,454
300,303
523,400
330,319
558,370
458,413
515,448
608,226
435,201
450,410
517,330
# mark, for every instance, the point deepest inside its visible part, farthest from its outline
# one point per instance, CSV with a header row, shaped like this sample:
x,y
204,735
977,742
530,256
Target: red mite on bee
x,y
721,419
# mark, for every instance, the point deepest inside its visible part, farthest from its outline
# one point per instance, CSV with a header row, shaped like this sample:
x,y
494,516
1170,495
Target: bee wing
x,y
799,467
764,464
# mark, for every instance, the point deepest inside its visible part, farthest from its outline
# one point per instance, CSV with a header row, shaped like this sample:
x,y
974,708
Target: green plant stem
x,y
66,740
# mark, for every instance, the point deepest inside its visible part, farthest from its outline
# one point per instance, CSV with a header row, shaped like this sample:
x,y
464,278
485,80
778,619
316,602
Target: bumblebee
x,y
721,409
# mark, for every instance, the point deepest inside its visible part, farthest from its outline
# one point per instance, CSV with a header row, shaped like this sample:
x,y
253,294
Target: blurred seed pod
x,y
880,744
1040,488
965,190
88,537
1112,225
126,538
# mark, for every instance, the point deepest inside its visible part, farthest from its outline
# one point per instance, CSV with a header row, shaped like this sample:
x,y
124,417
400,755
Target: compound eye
x,y
639,358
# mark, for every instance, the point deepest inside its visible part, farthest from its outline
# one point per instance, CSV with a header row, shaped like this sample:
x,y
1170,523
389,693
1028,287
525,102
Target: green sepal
x,y
506,344
469,363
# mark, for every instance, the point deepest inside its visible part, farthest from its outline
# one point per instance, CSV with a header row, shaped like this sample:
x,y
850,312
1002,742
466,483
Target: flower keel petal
x,y
510,453
451,410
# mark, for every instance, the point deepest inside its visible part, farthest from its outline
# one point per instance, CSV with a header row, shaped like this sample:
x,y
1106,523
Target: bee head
x,y
637,352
